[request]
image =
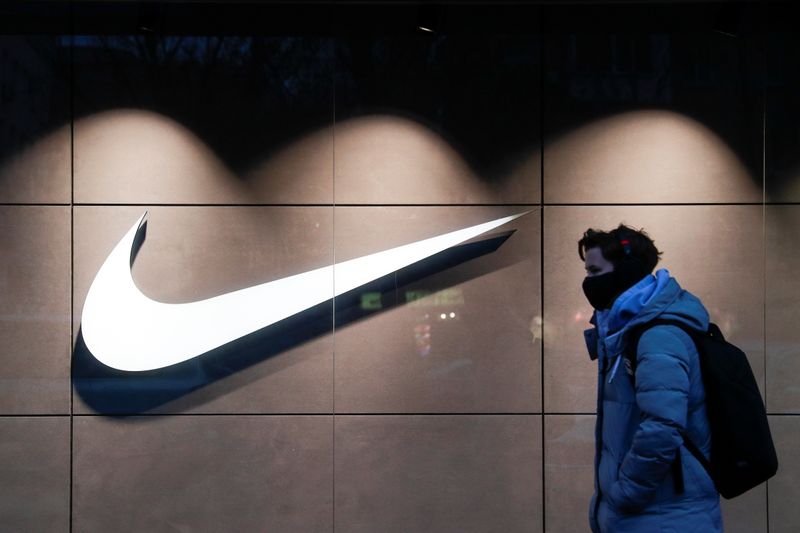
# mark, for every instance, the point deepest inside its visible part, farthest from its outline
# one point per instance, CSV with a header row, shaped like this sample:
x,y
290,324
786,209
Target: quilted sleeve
x,y
662,394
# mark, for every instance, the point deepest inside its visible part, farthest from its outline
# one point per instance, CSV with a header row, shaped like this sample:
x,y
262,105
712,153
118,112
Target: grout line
x,y
520,204
763,51
430,413
442,414
72,256
570,414
333,317
332,204
764,222
174,414
651,204
542,74
309,414
36,204
35,415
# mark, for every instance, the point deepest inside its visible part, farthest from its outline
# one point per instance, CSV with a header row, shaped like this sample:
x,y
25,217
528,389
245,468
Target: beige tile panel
x,y
298,172
203,473
192,253
714,252
35,469
40,172
385,159
34,309
646,156
135,156
34,118
783,300
568,471
746,513
784,492
438,473
782,54
465,339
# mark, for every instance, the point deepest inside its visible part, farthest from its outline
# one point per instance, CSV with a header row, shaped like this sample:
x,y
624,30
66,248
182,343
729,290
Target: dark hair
x,y
642,246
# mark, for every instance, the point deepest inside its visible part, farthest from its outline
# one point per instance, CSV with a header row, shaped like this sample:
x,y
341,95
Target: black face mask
x,y
603,289
600,290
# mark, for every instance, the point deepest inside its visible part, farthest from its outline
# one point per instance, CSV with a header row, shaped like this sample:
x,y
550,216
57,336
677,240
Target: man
x,y
645,478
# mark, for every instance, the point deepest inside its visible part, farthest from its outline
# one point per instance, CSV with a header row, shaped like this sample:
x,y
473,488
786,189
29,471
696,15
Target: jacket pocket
x,y
698,482
608,473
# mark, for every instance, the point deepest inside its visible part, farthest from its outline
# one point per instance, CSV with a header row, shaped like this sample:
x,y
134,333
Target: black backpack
x,y
742,452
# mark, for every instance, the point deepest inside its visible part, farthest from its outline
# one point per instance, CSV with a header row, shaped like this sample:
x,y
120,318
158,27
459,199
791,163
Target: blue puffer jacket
x,y
639,427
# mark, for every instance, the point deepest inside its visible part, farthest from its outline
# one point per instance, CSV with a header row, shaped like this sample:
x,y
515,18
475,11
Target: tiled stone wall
x,y
265,141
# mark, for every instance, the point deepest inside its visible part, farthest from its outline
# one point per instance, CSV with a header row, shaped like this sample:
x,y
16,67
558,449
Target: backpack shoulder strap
x,y
635,333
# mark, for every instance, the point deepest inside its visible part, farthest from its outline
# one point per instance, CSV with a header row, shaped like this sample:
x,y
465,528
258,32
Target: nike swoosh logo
x,y
126,330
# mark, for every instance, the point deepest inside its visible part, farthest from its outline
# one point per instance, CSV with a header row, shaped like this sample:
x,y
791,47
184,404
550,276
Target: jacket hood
x,y
656,296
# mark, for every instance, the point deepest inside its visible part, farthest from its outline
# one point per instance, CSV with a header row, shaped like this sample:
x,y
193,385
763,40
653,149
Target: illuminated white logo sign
x,y
126,330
